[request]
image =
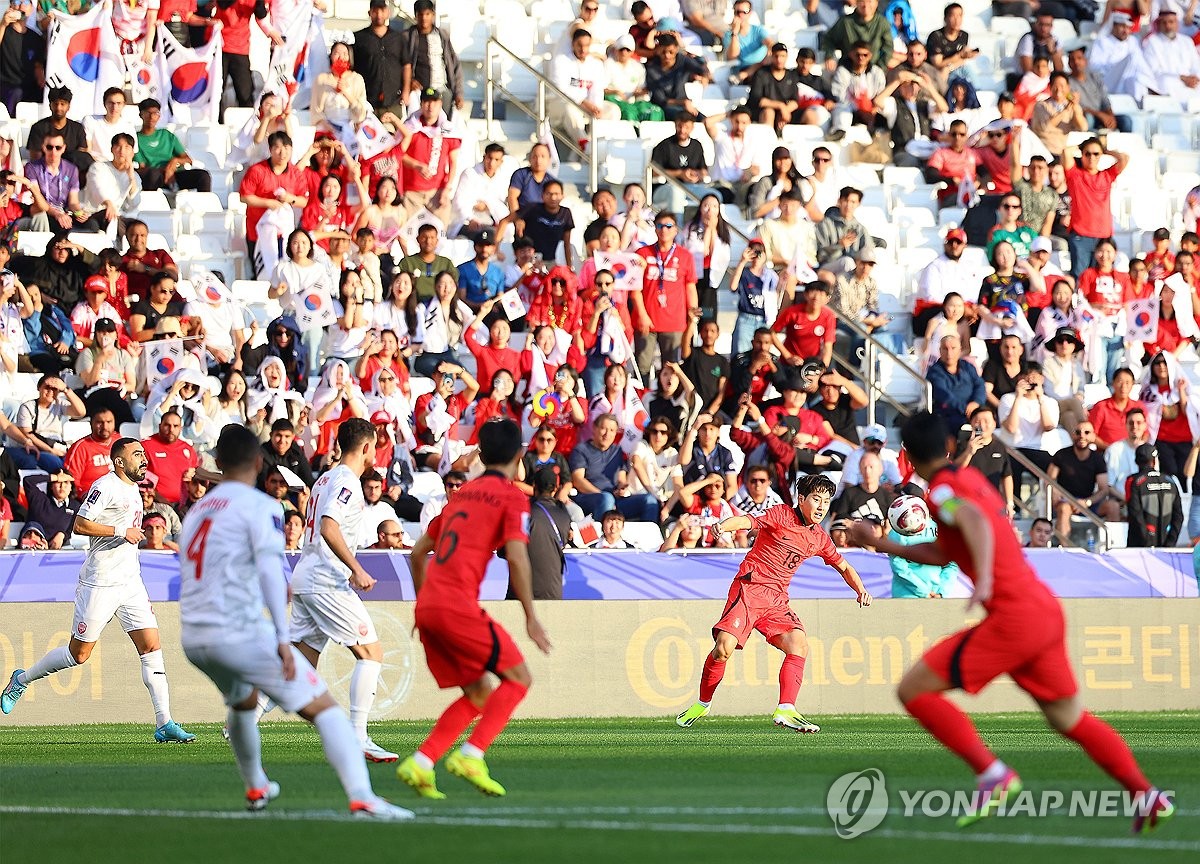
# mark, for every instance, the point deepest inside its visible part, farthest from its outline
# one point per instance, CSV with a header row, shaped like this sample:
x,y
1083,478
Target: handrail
x,y
873,346
1047,483
538,113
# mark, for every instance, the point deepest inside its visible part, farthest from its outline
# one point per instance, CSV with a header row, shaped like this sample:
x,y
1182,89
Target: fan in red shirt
x,y
1023,634
88,459
140,263
668,293
172,459
808,328
272,183
496,354
462,643
758,597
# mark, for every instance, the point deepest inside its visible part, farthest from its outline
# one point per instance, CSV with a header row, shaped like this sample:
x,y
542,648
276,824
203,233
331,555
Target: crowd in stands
x,y
1036,333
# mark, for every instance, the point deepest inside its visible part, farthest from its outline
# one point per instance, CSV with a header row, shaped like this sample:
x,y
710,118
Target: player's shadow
x,y
575,584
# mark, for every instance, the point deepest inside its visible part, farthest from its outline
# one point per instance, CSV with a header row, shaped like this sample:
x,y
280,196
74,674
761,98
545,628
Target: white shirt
x,y
582,80
111,561
431,509
373,516
942,275
1120,464
338,495
626,78
852,474
732,156
474,186
100,133
1121,65
105,183
437,332
1029,424
388,316
219,321
231,535
1168,59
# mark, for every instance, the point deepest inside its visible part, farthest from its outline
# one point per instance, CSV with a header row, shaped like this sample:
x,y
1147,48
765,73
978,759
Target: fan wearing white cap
x,y
1172,58
626,87
874,440
1116,56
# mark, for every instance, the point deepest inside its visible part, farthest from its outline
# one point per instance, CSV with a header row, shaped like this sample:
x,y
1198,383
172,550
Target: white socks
x,y
363,682
247,747
470,750
423,761
344,753
786,706
54,661
993,773
154,676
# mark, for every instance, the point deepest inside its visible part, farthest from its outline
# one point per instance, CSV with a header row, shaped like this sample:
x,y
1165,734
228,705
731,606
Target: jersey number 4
x,y
195,549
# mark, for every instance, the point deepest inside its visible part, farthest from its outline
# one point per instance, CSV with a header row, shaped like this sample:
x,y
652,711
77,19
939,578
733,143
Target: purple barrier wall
x,y
51,576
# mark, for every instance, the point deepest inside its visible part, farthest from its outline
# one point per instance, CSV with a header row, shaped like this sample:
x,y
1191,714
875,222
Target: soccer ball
x,y
908,515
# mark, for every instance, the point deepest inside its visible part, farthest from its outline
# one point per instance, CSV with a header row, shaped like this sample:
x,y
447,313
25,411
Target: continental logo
x,y
664,656
399,665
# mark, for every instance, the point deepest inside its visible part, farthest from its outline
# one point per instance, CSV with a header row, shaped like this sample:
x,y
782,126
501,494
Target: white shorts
x,y
95,607
241,668
340,616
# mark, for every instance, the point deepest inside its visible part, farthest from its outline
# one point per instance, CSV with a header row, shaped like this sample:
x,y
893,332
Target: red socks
x,y
791,673
710,678
1108,750
453,722
952,727
496,713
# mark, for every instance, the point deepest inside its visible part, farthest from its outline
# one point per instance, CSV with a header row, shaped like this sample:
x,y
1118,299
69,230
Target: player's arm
x,y
88,528
520,577
735,523
267,544
418,559
921,553
846,569
331,533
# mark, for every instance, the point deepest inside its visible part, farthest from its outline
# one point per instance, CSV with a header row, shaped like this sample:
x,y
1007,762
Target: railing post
x,y
593,160
541,102
871,378
489,92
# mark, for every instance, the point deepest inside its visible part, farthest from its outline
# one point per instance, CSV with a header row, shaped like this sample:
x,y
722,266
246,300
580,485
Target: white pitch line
x,y
604,825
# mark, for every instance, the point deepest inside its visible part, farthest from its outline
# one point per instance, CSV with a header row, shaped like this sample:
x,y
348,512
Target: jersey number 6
x,y
448,542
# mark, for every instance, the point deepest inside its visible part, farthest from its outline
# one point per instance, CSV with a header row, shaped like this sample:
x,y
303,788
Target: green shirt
x,y
423,274
158,148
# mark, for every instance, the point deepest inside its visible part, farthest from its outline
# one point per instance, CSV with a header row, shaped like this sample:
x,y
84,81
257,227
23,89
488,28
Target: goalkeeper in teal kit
x,y
919,580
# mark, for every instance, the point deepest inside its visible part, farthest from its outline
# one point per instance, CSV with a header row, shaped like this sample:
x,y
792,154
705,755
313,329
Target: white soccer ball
x,y
908,515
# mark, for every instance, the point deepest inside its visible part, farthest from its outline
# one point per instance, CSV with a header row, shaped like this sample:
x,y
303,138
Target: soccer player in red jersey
x,y
758,597
1022,636
462,642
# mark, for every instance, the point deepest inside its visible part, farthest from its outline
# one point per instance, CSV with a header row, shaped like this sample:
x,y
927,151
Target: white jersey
x,y
112,561
231,566
338,495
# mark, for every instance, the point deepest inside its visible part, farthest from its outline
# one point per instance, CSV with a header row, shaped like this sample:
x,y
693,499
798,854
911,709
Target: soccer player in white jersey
x,y
110,583
232,535
324,603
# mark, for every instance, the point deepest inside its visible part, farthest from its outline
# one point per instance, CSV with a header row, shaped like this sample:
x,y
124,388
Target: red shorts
x,y
462,644
1028,645
756,607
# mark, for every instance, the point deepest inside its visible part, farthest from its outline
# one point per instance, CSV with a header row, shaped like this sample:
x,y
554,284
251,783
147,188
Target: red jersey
x,y
138,281
1014,581
804,336
782,545
235,34
1109,420
431,146
489,361
456,406
262,181
87,461
483,516
170,462
566,430
664,287
1107,292
811,423
1091,200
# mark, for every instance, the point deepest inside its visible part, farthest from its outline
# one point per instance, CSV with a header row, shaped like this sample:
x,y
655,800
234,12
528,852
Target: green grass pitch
x,y
730,790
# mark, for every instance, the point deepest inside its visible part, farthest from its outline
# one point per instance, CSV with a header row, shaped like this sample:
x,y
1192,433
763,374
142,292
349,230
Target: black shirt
x,y
705,373
549,532
764,85
379,60
73,134
672,155
937,43
1076,476
293,459
143,307
666,85
1002,383
840,417
992,461
856,502
546,229
556,460
20,55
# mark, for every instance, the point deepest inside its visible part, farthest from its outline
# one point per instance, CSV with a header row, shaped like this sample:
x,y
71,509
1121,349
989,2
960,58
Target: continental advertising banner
x,y
643,659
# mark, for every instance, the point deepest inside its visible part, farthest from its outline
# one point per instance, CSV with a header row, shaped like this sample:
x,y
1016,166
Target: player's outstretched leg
x,y
246,743
343,753
1105,746
417,769
794,646
921,694
468,761
154,676
364,681
710,678
56,660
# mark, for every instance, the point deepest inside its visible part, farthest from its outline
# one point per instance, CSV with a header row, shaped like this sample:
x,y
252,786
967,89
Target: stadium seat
x,y
93,242
646,536
33,242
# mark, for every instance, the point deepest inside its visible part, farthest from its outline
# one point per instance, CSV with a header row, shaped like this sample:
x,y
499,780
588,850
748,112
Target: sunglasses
x,y
663,226
658,431
1010,206
454,485
53,148
387,377
757,480
997,134
604,283
817,160
1094,153
546,439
